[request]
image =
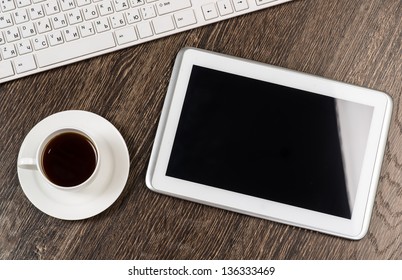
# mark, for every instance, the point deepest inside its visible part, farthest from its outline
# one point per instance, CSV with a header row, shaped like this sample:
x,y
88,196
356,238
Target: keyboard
x,y
39,35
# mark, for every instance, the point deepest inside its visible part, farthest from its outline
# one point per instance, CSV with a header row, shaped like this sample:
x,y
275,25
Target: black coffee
x,y
69,159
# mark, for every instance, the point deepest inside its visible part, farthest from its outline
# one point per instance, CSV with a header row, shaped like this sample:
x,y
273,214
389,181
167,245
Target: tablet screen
x,y
270,141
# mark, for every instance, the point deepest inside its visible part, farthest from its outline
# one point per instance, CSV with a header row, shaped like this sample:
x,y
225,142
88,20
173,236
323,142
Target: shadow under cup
x,y
68,158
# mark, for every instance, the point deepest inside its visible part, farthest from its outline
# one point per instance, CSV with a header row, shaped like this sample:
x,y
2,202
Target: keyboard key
x,y
27,30
81,3
40,42
105,8
8,51
262,2
163,24
185,18
135,3
5,20
75,49
36,11
55,38
6,69
43,25
51,7
166,7
24,47
12,34
23,3
209,11
126,35
71,33
102,25
133,16
120,5
240,5
87,29
67,4
117,20
7,5
20,16
74,16
24,63
224,7
148,12
144,30
90,12
59,21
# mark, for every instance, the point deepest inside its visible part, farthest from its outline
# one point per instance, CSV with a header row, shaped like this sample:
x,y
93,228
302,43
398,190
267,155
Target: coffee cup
x,y
67,159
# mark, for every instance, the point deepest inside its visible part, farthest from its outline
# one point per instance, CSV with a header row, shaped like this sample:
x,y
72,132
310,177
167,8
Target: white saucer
x,y
102,191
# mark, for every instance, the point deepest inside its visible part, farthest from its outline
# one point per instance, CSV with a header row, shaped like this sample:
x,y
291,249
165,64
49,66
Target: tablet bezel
x,y
354,228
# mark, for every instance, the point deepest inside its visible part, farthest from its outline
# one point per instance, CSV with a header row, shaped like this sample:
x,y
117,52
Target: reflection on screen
x,y
270,141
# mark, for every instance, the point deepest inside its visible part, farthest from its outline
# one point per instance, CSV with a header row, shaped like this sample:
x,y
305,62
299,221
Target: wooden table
x,y
358,42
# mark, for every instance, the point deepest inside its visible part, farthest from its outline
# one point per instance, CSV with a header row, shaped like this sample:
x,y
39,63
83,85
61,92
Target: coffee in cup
x,y
68,158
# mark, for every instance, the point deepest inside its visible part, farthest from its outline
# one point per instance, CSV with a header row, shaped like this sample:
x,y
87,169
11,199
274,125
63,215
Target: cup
x,y
67,159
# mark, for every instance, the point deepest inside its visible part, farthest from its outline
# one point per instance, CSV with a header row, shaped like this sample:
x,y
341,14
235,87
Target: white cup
x,y
75,168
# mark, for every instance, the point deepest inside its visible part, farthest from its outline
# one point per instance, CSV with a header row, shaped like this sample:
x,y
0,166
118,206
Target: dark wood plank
x,y
353,41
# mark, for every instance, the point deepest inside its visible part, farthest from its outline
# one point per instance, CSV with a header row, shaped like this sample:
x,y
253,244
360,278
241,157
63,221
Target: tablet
x,y
270,142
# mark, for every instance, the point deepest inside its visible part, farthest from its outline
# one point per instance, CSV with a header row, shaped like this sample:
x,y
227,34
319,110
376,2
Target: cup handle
x,y
27,163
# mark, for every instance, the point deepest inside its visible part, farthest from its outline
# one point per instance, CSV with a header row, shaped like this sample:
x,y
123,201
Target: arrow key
x,y
240,5
209,11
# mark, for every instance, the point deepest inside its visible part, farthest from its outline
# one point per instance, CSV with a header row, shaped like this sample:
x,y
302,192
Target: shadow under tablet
x,y
269,141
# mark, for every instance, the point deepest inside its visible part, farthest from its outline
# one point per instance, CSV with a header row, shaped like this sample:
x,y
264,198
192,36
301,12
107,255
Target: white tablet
x,y
270,142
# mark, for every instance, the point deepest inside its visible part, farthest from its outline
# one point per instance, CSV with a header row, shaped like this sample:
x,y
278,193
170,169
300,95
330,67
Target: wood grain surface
x,y
358,42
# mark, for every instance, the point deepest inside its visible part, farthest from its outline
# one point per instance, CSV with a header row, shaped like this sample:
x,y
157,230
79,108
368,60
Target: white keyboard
x,y
38,35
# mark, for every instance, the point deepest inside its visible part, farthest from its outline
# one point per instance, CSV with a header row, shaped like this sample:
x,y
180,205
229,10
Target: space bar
x,y
75,49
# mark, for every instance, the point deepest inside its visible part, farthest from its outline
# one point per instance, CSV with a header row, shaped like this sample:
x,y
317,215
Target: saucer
x,y
101,193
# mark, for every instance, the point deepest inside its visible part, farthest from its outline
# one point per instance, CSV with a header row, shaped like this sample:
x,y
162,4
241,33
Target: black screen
x,y
260,139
